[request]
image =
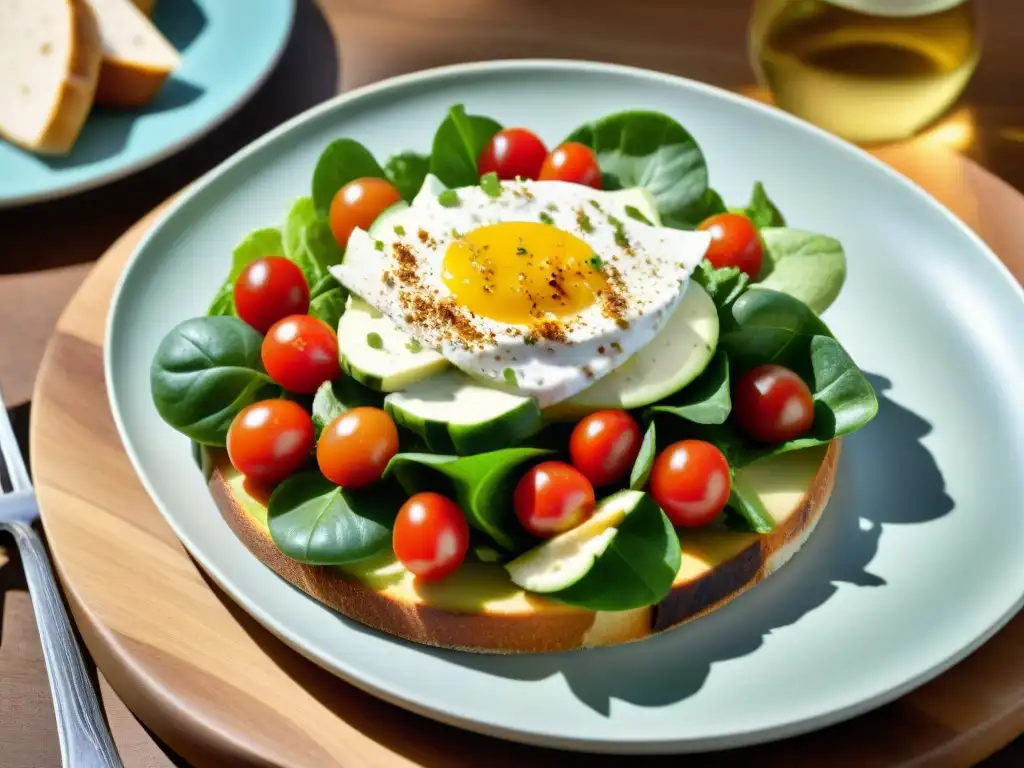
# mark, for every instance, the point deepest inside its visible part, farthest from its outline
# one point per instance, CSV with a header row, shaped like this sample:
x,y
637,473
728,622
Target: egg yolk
x,y
521,272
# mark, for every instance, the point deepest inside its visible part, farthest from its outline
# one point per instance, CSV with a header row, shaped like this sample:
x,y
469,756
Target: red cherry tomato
x,y
772,404
604,445
269,440
690,480
734,243
356,446
269,289
358,203
430,536
572,162
513,152
551,498
300,353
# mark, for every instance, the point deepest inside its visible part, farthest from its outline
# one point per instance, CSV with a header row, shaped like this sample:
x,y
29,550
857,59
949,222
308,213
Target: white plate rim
x,y
551,739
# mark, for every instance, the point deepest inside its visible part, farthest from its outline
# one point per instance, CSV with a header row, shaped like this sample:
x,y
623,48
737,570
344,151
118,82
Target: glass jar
x,y
867,70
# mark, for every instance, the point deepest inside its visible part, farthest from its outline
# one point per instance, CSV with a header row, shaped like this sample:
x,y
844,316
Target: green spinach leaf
x,y
638,568
482,485
653,151
723,285
342,161
302,214
205,371
708,204
457,145
343,394
706,400
407,170
766,326
761,210
645,460
747,504
313,521
807,266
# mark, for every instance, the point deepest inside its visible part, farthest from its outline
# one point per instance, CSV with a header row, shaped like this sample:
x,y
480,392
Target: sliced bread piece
x,y
49,63
137,58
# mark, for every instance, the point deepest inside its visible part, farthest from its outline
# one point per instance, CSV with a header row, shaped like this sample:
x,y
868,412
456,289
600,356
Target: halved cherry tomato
x,y
358,203
604,445
572,162
690,480
734,243
772,404
551,498
269,289
269,440
513,152
430,536
300,353
356,446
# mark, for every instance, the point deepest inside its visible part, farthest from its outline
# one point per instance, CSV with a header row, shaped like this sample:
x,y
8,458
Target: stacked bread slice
x,y
58,58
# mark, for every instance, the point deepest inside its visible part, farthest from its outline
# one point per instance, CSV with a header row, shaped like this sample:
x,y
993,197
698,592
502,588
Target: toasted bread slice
x,y
137,58
50,56
479,609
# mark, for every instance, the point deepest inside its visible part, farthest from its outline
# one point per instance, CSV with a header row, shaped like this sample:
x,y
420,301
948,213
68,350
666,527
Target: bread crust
x,y
127,84
561,629
74,99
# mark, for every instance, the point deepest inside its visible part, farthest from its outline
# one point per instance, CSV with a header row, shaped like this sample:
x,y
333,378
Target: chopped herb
x,y
545,218
520,251
375,341
597,205
456,234
634,213
490,185
399,230
414,346
616,346
552,207
510,377
595,262
583,221
449,198
378,244
529,340
620,232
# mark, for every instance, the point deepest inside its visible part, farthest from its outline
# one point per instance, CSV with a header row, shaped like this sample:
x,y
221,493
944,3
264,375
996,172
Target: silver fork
x,y
85,741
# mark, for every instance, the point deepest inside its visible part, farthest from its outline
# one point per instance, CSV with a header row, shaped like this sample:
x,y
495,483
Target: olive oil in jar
x,y
867,70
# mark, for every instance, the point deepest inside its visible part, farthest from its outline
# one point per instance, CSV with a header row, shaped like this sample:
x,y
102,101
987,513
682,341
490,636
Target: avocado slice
x,y
378,354
625,556
675,357
454,413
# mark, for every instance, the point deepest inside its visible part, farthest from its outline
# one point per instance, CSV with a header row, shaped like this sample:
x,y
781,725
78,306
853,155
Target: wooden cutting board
x,y
218,688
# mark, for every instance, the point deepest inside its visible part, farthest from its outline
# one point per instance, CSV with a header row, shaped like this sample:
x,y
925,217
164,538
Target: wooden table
x,y
46,250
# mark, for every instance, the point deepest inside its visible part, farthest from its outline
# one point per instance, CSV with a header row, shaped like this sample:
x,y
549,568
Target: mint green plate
x,y
917,559
227,51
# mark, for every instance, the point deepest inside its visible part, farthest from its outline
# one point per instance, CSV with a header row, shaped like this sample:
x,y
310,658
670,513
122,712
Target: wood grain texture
x,y
219,689
966,714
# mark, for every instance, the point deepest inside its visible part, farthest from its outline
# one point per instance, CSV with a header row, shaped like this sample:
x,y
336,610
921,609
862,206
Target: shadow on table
x,y
886,476
307,74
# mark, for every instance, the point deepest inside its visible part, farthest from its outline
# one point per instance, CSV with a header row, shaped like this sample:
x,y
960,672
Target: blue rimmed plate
x,y
227,51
